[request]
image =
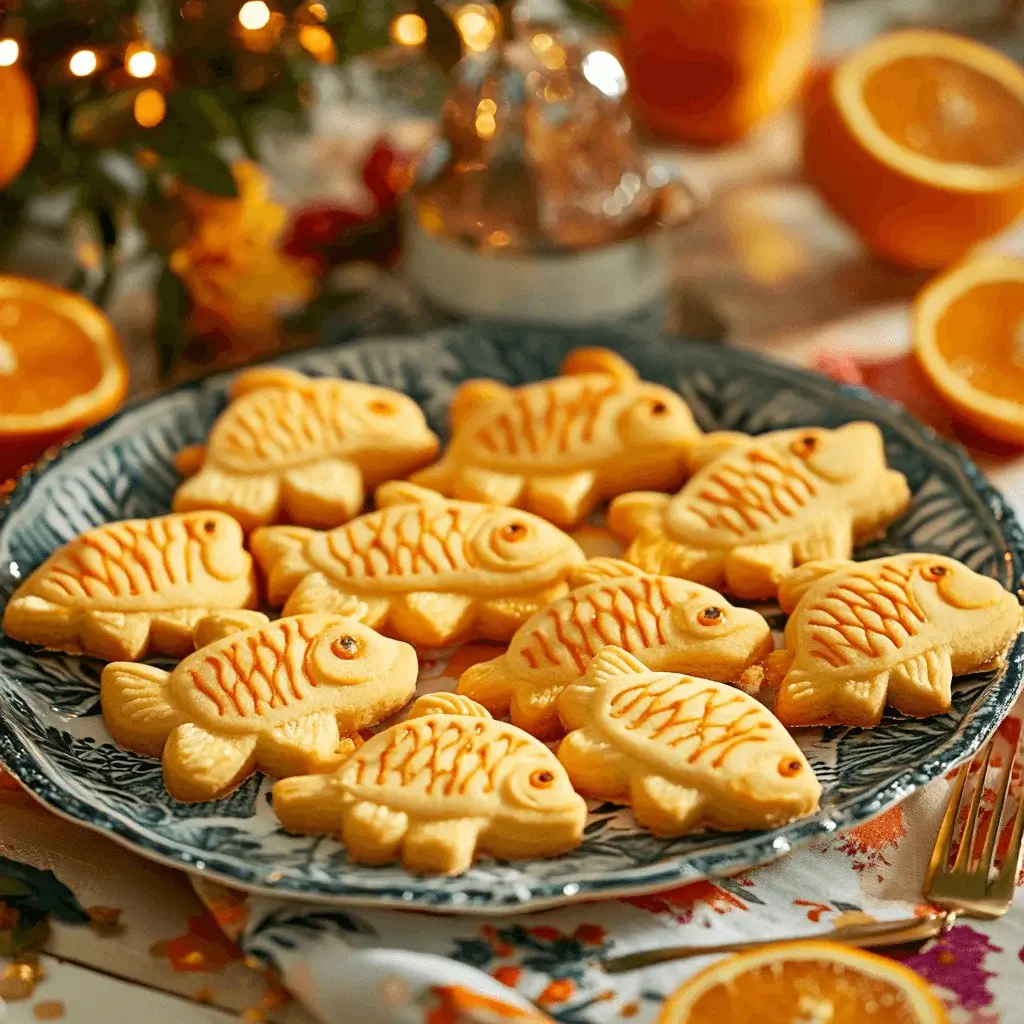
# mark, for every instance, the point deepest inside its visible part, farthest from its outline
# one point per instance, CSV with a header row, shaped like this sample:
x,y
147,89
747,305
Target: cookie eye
x,y
379,407
934,572
805,446
346,648
514,531
542,780
210,526
711,616
659,409
790,766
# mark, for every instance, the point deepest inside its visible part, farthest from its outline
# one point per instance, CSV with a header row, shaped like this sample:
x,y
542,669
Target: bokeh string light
x,y
83,63
409,30
9,52
254,15
140,62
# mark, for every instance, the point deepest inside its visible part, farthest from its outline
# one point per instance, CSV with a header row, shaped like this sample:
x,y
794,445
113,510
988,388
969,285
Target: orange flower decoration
x,y
238,279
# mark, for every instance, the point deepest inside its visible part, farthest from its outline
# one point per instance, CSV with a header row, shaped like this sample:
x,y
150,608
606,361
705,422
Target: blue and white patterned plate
x,y
52,736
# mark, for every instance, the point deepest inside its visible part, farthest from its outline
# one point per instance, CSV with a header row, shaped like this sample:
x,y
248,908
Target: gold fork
x,y
957,888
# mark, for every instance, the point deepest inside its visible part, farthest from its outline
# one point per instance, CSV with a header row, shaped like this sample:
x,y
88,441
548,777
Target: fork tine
x,y
963,855
987,860
1011,865
944,840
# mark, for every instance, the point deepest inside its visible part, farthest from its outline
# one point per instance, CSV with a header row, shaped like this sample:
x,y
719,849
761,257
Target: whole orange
x,y
917,142
711,70
18,119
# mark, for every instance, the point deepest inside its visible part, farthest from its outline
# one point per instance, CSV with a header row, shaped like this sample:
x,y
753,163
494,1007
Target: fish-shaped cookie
x,y
439,788
684,752
126,589
560,446
670,624
306,448
431,570
281,696
889,631
757,506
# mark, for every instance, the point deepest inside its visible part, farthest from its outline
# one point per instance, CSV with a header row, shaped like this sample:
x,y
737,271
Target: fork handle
x,y
882,933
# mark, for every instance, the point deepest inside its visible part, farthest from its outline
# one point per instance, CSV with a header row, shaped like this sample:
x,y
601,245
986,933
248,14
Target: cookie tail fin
x,y
280,552
189,461
305,804
324,494
254,500
795,584
136,708
628,514
489,683
596,569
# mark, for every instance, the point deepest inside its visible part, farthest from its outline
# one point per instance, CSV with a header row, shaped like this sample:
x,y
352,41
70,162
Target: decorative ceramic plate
x,y
52,736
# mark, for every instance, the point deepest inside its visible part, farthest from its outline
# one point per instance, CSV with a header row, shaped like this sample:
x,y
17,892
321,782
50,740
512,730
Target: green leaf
x,y
366,28
12,887
173,305
103,122
46,892
200,116
204,169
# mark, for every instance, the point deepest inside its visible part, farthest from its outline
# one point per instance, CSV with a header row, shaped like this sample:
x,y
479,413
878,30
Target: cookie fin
x,y
260,377
254,500
472,396
612,663
831,539
171,632
598,360
190,460
116,636
564,500
499,618
921,686
308,746
280,551
136,708
324,494
804,700
372,833
309,804
535,710
430,619
470,483
595,767
199,765
705,449
665,807
437,477
489,683
318,593
655,553
753,571
402,492
442,703
629,513
795,584
211,628
596,569
441,847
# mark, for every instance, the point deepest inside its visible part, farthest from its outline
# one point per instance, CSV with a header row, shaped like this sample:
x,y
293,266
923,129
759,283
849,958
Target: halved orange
x,y
18,122
917,142
61,368
969,340
804,981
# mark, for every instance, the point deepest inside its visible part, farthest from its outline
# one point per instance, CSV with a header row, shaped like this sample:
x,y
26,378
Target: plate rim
x,y
978,724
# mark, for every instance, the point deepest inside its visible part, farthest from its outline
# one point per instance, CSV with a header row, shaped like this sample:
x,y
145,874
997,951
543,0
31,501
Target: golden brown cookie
x,y
758,506
561,446
668,623
684,752
889,631
134,587
438,789
306,448
282,696
431,570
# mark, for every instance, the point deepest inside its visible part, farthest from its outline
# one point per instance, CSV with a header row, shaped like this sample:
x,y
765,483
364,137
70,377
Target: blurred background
x,y
230,179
